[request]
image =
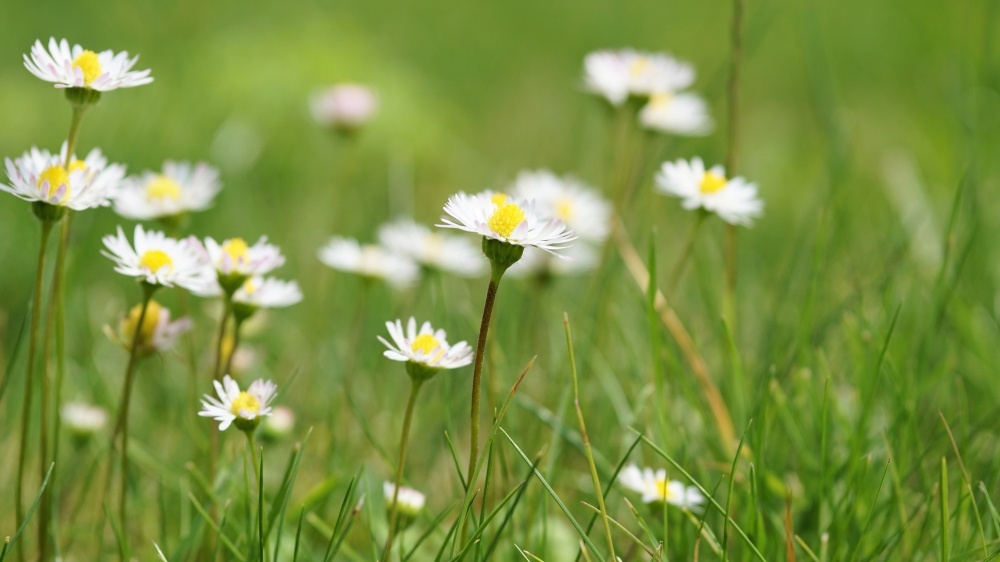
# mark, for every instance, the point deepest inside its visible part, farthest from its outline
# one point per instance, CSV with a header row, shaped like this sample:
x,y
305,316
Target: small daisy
x,y
157,334
499,217
427,347
535,262
616,75
235,257
578,206
369,260
40,176
180,188
245,408
83,420
410,500
655,487
279,424
681,114
734,200
443,252
81,68
344,106
158,260
260,292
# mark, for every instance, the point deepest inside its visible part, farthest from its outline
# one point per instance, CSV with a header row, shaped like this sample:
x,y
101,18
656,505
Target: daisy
x,y
157,334
245,408
500,217
616,75
410,501
82,419
655,487
180,188
82,68
344,106
682,114
158,260
233,261
578,206
428,348
279,424
443,252
39,175
535,262
369,260
734,200
260,292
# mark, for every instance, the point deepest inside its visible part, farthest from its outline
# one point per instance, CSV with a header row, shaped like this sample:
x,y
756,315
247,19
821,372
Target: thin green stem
x,y
732,152
403,438
74,130
226,310
36,311
477,369
687,250
236,343
252,442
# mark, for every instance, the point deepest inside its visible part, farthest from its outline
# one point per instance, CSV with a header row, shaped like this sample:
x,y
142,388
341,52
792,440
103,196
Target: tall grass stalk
x,y
415,386
732,151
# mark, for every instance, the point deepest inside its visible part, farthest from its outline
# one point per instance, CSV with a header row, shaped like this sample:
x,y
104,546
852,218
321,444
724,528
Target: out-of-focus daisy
x,y
244,408
734,200
233,261
655,487
410,500
157,333
535,262
82,419
39,175
279,424
344,106
158,260
578,206
77,67
443,252
260,292
677,113
180,188
369,260
502,218
425,349
616,75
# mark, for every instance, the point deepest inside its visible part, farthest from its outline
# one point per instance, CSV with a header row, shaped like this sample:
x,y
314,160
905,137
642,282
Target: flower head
x,y
655,487
158,260
344,106
410,500
180,188
279,424
443,252
234,261
83,420
81,68
578,206
677,113
369,260
616,75
734,200
496,216
41,176
424,350
264,292
244,408
157,333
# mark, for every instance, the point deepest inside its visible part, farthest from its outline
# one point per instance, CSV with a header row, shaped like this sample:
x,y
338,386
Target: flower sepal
x,y
247,425
231,282
501,254
83,97
48,213
420,372
243,310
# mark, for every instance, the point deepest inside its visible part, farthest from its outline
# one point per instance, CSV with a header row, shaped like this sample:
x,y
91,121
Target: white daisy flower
x,y
499,217
180,188
344,106
81,68
39,175
655,487
681,114
157,334
83,420
235,257
616,75
578,206
260,292
369,260
244,408
734,200
158,260
536,263
410,500
426,347
443,252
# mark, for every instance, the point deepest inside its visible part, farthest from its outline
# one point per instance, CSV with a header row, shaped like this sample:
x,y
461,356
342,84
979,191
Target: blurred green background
x,y
860,119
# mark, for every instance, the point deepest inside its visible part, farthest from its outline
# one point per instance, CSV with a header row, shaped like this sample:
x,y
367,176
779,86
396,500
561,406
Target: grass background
x,y
861,120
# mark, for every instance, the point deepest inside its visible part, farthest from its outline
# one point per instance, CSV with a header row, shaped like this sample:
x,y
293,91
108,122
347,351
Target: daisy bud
x,y
83,420
279,425
411,502
345,107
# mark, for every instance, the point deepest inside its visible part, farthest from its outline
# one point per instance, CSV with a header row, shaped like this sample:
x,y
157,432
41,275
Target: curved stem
x,y
477,370
36,311
404,436
236,343
227,309
688,249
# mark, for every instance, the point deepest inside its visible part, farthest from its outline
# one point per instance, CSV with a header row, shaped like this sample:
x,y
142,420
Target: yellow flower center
x,y
149,323
711,183
662,99
663,490
57,176
90,65
245,403
427,343
237,249
499,198
163,187
638,66
249,287
505,219
155,259
564,209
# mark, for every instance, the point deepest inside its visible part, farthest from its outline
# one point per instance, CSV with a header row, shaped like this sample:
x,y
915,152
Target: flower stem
x,y
252,442
403,438
36,311
477,371
729,291
228,308
688,249
236,343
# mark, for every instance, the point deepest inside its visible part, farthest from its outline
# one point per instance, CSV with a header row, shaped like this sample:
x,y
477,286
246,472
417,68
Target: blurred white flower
x,y
261,292
344,106
158,260
734,200
426,347
453,254
178,189
655,487
499,217
235,256
369,260
244,408
279,424
157,333
680,114
535,262
580,207
83,420
410,500
616,75
40,176
81,68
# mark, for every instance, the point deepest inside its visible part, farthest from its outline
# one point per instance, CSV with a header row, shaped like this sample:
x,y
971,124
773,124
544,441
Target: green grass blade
x,y
729,495
458,466
430,530
9,545
218,530
871,512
